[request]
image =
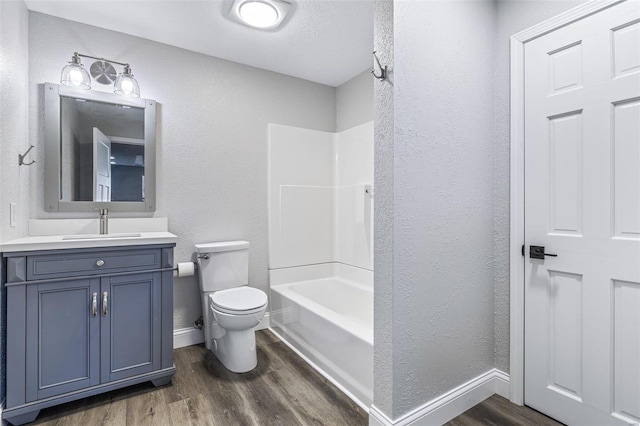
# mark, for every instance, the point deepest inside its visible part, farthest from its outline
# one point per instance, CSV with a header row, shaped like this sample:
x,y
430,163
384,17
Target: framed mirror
x,y
99,151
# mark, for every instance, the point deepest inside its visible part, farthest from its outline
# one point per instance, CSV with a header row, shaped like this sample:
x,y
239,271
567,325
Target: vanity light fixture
x,y
261,14
126,85
75,75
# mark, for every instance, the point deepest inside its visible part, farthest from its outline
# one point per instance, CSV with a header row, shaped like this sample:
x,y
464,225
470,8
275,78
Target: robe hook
x,y
383,70
21,157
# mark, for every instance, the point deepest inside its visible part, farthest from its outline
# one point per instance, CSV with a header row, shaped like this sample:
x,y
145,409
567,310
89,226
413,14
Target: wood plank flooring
x,y
499,411
282,390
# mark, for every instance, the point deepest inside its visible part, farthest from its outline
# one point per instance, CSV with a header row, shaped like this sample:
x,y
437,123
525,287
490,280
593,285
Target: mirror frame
x,y
52,143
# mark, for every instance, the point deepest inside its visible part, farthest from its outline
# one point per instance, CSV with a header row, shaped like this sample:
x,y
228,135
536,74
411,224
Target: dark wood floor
x,y
282,390
498,411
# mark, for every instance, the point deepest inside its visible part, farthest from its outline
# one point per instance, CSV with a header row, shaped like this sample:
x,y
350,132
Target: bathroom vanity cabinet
x,y
85,321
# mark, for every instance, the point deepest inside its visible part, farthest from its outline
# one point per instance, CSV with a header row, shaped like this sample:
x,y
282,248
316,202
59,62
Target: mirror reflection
x,y
101,151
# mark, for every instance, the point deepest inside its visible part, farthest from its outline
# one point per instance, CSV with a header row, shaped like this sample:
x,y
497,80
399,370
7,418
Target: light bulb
x,y
258,14
75,77
127,86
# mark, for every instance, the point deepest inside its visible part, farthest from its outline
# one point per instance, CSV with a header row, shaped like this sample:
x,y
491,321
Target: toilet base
x,y
236,350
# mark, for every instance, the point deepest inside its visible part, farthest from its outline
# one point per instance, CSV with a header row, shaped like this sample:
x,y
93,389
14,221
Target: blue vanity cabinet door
x,y
131,325
62,338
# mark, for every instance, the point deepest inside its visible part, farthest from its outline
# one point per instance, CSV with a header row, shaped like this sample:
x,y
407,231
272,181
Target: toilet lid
x,y
239,299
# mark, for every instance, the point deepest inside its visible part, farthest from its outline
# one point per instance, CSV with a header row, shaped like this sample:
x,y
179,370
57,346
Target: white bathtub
x,y
325,312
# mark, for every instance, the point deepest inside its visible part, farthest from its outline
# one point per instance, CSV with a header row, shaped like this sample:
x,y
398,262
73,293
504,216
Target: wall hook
x,y
21,161
383,70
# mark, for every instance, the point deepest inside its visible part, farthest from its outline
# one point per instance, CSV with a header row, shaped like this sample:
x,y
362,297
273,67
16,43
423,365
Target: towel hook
x,y
21,161
383,70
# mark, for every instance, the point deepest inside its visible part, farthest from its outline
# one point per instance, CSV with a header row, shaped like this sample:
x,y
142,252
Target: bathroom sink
x,y
99,236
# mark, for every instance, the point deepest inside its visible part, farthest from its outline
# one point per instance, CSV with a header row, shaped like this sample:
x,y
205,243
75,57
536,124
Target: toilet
x,y
230,308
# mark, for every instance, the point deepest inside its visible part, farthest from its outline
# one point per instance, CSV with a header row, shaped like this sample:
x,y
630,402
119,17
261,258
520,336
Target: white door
x,y
582,202
101,166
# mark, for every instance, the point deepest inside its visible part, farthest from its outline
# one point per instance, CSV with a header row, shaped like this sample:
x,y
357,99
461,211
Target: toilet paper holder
x,y
195,264
185,269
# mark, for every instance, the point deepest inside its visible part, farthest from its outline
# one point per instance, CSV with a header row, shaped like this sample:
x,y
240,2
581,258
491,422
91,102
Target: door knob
x,y
537,252
100,263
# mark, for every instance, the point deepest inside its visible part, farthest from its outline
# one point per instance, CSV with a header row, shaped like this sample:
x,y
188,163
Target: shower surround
x,y
321,250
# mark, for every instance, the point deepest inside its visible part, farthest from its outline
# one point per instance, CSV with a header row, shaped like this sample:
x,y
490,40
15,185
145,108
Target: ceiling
x,y
326,41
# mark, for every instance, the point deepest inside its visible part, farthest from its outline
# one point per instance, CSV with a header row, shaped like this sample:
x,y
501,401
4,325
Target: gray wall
x,y
443,197
512,17
354,101
383,295
212,136
14,131
14,108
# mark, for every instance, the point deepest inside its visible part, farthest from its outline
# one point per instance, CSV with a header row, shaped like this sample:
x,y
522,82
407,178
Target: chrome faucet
x,y
104,221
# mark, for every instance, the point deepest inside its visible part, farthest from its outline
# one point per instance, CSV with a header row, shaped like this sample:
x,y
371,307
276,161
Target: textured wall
x,y
443,276
383,351
212,136
512,17
14,116
354,101
14,136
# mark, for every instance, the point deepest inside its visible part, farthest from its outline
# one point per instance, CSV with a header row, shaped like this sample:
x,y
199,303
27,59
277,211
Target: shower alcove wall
x,y
321,250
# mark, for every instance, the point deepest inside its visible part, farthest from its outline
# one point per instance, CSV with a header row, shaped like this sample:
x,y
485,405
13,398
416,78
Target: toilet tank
x,y
223,265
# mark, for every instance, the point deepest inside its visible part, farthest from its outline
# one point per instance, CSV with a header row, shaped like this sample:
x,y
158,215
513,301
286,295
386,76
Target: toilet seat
x,y
238,301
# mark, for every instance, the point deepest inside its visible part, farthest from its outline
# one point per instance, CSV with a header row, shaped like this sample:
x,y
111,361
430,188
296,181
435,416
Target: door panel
x,y
565,174
626,49
62,338
565,68
131,326
626,174
565,338
626,349
582,202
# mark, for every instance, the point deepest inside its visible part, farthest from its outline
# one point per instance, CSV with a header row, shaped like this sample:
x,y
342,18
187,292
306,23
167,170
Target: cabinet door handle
x,y
94,305
100,263
105,303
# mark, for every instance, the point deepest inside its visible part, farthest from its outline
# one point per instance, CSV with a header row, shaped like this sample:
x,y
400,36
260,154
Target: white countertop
x,y
59,242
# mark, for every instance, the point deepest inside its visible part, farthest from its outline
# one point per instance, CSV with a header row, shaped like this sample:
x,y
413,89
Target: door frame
x,y
517,161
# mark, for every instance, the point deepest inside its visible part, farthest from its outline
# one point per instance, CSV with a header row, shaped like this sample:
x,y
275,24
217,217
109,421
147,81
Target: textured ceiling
x,y
326,41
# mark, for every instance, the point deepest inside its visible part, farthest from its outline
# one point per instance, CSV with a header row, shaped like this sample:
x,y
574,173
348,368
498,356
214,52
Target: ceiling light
x,y
258,14
261,14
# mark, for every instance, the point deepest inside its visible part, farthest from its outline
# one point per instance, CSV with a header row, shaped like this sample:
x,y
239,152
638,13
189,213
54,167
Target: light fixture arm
x,y
100,59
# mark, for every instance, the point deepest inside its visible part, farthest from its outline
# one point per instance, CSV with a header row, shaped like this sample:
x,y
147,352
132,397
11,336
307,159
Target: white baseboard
x,y
192,336
187,337
264,324
449,405
501,380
